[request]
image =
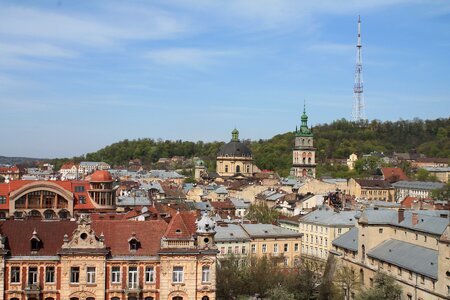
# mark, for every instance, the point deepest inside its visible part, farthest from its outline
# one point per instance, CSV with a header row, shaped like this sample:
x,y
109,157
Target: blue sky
x,y
76,76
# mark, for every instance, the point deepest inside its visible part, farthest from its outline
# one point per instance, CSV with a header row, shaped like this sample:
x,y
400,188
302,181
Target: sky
x,y
76,76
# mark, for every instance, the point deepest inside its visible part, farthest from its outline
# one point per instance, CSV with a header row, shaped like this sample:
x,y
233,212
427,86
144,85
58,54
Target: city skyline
x,y
75,77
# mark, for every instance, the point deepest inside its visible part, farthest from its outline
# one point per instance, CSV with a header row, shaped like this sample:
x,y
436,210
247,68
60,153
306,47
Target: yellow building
x,y
259,240
235,158
320,227
367,189
114,260
411,246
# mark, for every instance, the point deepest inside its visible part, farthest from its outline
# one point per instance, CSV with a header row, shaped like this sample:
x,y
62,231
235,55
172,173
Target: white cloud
x,y
187,57
82,29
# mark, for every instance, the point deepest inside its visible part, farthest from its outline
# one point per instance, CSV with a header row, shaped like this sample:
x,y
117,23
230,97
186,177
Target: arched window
x,y
74,298
149,298
63,214
49,298
248,168
90,298
205,298
205,273
177,298
304,160
363,253
35,213
309,160
49,214
115,298
238,169
132,298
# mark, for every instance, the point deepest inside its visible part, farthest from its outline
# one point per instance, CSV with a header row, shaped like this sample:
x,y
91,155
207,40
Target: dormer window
x,y
35,242
133,243
178,231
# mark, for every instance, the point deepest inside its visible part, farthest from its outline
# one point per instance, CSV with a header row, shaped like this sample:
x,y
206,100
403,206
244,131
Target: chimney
x,y
401,215
414,218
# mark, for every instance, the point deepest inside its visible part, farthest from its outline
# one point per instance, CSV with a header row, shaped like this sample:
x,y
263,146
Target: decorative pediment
x,y
84,237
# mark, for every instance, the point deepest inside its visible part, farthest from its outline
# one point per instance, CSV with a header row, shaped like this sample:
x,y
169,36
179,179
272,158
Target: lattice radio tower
x,y
358,95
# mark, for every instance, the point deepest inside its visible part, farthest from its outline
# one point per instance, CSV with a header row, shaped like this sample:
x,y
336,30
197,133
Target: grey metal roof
x,y
230,232
269,230
240,203
437,169
428,221
275,196
415,258
151,186
327,216
164,174
234,149
419,185
203,206
221,190
348,240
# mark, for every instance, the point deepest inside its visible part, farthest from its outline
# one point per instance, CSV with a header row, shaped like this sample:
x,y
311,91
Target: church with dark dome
x,y
235,158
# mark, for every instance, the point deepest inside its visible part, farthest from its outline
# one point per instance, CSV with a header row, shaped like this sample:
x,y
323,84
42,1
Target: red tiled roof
x,y
68,165
51,234
117,234
101,176
223,205
407,202
393,174
177,228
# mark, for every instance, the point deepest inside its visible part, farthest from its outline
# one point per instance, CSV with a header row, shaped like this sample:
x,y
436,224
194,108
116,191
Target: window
x,y
371,282
286,247
226,168
90,275
230,250
149,274
410,275
35,243
115,274
275,248
82,199
205,274
253,248
339,230
422,279
134,244
132,277
286,261
79,189
409,297
2,199
32,275
380,230
74,274
399,271
50,275
243,250
296,247
15,274
177,275
205,298
236,249
264,248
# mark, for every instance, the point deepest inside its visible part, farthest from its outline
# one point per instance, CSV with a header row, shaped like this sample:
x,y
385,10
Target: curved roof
x,y
235,149
101,176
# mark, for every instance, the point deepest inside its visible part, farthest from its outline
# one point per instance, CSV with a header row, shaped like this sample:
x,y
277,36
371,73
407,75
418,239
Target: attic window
x,y
35,244
133,243
265,231
178,231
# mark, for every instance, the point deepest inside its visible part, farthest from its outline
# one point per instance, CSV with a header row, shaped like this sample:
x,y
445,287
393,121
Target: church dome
x,y
234,148
205,224
101,176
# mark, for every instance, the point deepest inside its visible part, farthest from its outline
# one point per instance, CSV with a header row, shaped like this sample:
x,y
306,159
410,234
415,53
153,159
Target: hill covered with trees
x,y
335,140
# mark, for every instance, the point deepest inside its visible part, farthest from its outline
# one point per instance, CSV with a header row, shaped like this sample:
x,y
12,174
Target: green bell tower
x,y
304,153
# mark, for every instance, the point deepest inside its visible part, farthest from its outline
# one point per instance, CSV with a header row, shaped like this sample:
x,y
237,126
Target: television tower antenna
x,y
358,114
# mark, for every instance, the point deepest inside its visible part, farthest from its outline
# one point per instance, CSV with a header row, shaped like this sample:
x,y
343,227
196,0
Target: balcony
x,y
133,288
32,289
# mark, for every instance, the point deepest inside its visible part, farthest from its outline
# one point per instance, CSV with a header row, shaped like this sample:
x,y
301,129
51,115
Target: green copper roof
x,y
304,130
235,135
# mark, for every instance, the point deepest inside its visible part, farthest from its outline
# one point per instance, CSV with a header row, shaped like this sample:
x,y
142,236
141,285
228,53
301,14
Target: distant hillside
x,y
336,140
4,160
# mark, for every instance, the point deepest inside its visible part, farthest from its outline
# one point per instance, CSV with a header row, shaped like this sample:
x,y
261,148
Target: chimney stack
x,y
401,215
414,218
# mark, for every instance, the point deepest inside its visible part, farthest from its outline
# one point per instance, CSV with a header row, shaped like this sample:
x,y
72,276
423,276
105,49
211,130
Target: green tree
x,y
384,288
348,280
261,213
424,175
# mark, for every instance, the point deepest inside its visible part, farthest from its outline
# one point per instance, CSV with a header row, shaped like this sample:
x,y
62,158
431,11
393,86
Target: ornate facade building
x,y
108,260
304,154
56,199
235,158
